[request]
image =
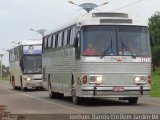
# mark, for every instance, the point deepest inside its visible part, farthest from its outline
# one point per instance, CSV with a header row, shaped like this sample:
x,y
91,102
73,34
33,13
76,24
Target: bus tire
x,y
14,86
23,88
60,95
52,94
133,100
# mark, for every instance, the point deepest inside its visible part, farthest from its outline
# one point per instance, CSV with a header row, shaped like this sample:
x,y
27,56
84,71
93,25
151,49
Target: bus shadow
x,y
93,102
29,90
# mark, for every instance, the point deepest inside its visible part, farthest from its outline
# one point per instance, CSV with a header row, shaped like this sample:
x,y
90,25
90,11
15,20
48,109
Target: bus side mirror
x,y
76,42
77,48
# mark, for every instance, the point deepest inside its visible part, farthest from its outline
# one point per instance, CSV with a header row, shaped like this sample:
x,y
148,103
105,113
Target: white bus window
x,y
60,39
65,37
68,36
45,42
73,32
49,41
53,41
56,40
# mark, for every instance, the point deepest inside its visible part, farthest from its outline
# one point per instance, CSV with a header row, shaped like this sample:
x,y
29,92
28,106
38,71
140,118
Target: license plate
x,y
118,89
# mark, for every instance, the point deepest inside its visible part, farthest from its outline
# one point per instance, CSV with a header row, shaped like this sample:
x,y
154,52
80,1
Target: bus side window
x,y
60,39
65,38
53,41
72,35
49,42
77,46
62,42
68,36
56,40
46,43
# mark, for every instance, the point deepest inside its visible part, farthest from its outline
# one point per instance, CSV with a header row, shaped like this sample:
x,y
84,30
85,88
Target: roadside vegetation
x,y
155,90
5,73
154,29
4,78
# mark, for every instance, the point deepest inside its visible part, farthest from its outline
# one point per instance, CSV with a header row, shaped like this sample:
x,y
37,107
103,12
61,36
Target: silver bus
x,y
100,55
25,65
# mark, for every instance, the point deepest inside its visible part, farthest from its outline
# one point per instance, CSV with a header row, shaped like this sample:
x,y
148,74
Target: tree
x,y
154,27
5,71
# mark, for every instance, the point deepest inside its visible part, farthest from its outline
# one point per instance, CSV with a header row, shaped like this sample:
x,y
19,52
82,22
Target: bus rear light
x,y
84,79
149,79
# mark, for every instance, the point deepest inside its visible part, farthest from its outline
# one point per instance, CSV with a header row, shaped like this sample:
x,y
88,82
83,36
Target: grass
x,y
4,78
155,90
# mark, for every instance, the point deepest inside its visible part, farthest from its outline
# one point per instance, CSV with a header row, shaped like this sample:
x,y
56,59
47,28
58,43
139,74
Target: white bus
x,y
121,67
25,65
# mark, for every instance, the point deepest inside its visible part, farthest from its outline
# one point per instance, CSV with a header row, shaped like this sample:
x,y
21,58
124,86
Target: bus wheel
x,y
60,95
14,86
75,98
133,100
52,95
23,88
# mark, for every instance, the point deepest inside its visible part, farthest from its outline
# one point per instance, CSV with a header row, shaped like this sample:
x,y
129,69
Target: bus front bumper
x,y
33,83
116,91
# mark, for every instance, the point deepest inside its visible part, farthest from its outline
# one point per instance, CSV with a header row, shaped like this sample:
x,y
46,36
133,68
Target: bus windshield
x,y
115,40
32,64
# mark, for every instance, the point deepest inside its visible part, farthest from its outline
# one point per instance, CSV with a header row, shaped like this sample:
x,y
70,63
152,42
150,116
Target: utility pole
x,y
1,55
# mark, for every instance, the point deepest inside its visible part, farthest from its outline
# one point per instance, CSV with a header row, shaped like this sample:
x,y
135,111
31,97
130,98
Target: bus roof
x,y
103,18
32,42
28,42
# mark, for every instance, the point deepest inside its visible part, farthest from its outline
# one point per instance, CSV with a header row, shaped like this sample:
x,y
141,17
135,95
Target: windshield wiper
x,y
125,46
106,50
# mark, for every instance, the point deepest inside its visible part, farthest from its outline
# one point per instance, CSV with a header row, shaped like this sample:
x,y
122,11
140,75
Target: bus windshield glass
x,y
32,64
115,40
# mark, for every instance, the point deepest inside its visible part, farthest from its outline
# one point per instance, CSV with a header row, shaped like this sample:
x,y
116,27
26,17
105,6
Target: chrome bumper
x,y
108,91
33,83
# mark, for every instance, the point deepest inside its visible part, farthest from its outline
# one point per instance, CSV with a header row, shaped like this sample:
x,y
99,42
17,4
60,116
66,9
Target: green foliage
x,y
154,26
5,71
155,90
156,54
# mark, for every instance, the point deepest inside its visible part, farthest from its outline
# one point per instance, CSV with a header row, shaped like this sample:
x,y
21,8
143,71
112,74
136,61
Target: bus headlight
x,y
140,79
99,79
28,79
143,79
96,79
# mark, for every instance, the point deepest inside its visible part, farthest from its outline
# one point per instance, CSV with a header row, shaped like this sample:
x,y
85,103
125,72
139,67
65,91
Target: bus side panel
x,y
15,71
60,65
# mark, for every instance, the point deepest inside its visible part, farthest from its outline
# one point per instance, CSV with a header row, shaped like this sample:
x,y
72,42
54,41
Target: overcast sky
x,y
18,16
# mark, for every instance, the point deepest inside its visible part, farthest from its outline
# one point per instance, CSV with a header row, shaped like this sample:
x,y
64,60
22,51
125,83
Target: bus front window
x,y
32,64
133,40
115,40
98,40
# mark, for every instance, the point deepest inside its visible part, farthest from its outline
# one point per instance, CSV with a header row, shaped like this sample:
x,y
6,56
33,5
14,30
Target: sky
x,y
17,17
